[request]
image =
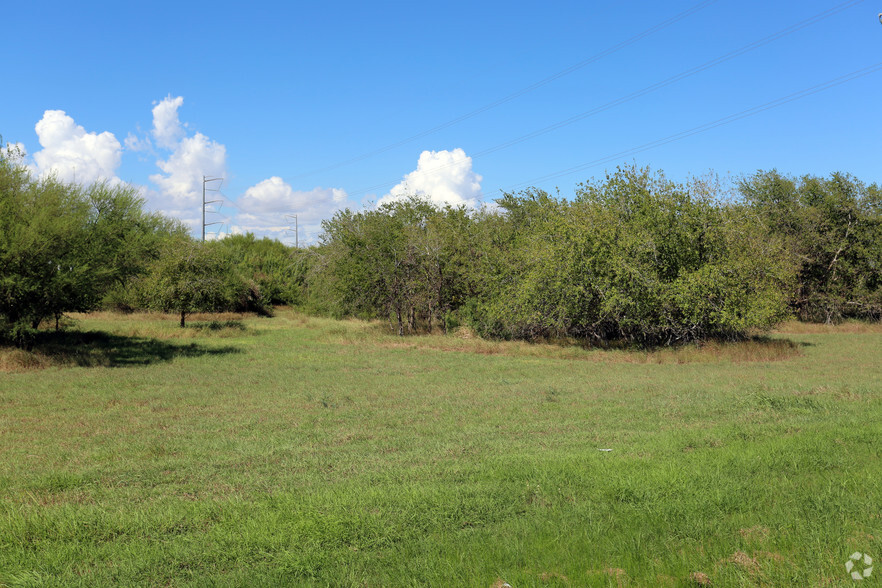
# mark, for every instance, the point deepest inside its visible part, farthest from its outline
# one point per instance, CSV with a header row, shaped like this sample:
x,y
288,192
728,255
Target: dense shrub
x,y
635,257
63,247
833,229
406,261
275,272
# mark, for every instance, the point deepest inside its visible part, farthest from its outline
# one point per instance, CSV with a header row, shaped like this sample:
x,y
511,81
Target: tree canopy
x,y
631,257
63,246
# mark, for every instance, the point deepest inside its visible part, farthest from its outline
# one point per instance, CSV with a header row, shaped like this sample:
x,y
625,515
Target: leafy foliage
x,y
406,261
637,258
634,258
833,229
64,246
191,276
274,272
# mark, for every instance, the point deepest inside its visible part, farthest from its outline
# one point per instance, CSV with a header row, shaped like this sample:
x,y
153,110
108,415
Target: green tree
x,y
634,257
190,277
406,261
833,230
274,271
43,248
123,236
64,246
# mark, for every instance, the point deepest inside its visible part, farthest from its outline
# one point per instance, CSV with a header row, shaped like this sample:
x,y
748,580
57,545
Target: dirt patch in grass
x,y
755,533
553,576
620,575
741,559
770,555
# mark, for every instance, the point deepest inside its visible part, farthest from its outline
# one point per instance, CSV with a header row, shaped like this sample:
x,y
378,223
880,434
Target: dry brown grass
x,y
161,326
847,327
741,559
162,316
755,533
18,360
754,350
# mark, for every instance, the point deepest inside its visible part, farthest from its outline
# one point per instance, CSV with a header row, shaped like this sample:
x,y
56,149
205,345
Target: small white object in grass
x,y
604,450
858,557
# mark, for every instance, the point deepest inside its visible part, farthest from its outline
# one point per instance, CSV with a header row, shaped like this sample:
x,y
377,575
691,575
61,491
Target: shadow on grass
x,y
97,348
216,326
750,349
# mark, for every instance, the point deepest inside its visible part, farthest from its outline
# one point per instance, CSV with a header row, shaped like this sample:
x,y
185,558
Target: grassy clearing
x,y
300,451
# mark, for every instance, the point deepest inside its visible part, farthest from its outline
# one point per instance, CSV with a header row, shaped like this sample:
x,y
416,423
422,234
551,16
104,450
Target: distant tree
x,y
190,277
64,246
634,257
833,229
406,261
274,271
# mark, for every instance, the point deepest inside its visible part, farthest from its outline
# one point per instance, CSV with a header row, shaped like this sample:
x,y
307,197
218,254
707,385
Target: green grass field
x,y
301,451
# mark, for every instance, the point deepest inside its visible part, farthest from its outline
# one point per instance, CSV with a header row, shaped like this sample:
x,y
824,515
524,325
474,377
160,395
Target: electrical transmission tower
x,y
296,232
205,182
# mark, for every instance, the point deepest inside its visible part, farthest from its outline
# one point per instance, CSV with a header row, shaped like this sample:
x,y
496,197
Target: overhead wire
x,y
642,92
748,112
517,94
701,128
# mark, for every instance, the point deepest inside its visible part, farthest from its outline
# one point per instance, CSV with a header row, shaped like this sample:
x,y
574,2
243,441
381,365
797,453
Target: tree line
x,y
631,257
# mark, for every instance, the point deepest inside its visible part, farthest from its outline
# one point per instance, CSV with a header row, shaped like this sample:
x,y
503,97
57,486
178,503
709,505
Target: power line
x,y
517,94
703,128
752,111
643,92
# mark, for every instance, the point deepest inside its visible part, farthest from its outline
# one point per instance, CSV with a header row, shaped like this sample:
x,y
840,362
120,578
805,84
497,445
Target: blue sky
x,y
305,108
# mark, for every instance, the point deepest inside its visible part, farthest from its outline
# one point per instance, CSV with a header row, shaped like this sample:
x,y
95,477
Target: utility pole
x,y
205,202
296,232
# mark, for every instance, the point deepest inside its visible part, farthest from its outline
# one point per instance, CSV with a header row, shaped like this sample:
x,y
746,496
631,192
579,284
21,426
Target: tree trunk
x,y
182,318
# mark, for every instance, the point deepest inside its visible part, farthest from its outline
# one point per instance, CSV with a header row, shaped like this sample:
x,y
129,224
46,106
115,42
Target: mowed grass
x,y
302,451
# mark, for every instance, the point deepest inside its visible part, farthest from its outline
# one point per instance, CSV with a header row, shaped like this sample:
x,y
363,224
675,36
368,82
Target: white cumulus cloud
x,y
167,129
274,195
179,183
265,205
71,153
181,177
443,177
135,143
